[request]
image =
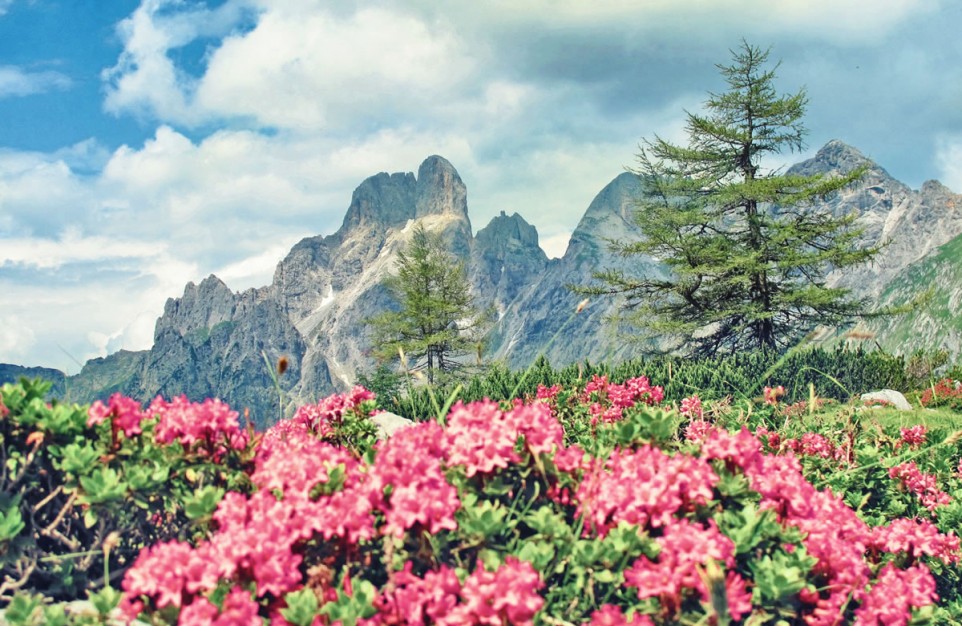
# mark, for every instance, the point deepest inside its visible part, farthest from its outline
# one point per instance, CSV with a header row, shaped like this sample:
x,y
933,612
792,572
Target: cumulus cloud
x,y
265,114
15,81
949,160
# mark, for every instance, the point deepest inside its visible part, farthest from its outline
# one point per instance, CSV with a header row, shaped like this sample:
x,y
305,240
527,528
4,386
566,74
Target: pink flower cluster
x,y
893,595
409,464
698,430
644,487
482,438
814,444
839,546
321,418
916,538
772,395
913,436
691,407
925,486
509,595
259,538
209,426
685,548
310,492
606,401
125,415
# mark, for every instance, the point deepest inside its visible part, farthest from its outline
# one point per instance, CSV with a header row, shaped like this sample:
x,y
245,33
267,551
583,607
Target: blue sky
x,y
148,143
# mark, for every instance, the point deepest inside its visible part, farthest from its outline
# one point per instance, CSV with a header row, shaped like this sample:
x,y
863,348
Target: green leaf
x,y
302,607
483,519
11,523
105,600
203,503
349,608
103,485
77,458
24,610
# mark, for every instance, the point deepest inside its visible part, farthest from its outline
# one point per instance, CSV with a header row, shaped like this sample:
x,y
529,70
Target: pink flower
x,y
125,413
480,437
699,430
916,538
691,408
506,596
239,610
914,436
684,548
741,450
547,393
200,612
409,466
773,395
644,487
925,486
210,426
893,596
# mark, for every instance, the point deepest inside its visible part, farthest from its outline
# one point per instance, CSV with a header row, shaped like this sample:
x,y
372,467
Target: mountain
x,y
214,342
908,224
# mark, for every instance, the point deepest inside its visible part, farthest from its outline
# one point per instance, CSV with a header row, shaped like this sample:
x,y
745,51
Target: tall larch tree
x,y
746,248
437,320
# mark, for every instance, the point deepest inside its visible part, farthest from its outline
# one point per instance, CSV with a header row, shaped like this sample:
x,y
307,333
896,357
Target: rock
x,y
389,423
889,396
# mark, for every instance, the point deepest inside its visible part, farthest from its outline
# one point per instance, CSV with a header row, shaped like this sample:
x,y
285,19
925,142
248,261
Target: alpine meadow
x,y
726,392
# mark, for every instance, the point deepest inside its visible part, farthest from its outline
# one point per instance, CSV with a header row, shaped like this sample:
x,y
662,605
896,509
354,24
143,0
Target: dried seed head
x,y
282,365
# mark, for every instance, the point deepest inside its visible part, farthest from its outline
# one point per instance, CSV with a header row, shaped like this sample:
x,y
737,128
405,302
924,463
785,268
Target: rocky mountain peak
x,y
440,189
609,216
837,157
505,231
384,199
201,306
933,188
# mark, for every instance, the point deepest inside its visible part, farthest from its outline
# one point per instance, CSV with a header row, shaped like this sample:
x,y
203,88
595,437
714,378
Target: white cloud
x,y
948,157
145,79
73,248
5,6
842,21
14,81
310,69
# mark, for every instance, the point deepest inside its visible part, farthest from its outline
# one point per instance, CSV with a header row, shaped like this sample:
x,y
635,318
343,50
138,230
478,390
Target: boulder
x,y
890,396
389,423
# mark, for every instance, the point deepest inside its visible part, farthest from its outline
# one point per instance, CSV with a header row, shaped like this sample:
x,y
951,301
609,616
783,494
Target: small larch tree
x,y
746,249
437,320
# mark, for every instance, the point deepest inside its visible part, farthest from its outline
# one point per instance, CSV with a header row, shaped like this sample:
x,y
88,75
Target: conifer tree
x,y
746,248
436,319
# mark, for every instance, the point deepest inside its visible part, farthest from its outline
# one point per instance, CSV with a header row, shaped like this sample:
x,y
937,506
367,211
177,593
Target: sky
x,y
148,143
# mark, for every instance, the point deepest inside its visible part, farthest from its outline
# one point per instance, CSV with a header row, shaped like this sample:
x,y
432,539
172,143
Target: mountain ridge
x,y
214,342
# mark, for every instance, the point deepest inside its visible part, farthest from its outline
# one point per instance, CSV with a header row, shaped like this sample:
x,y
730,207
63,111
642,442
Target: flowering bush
x,y
946,392
578,506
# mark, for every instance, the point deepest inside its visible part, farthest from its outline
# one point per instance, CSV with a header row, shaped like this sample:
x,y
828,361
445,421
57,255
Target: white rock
x,y
389,423
888,395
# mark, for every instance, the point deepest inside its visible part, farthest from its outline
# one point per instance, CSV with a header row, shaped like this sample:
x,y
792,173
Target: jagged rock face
x,y
211,343
908,224
543,320
506,255
10,373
